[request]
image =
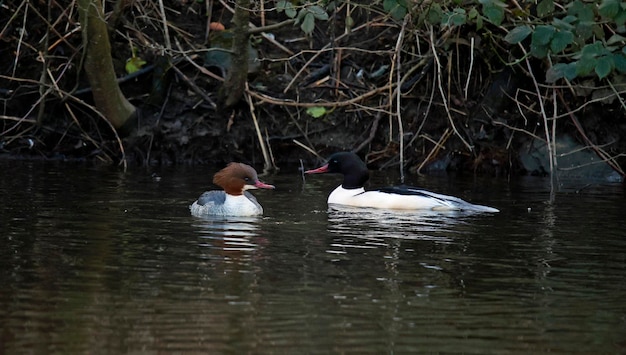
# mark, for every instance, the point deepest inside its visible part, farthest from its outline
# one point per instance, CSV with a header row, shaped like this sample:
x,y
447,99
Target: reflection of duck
x,y
357,228
352,193
235,179
229,233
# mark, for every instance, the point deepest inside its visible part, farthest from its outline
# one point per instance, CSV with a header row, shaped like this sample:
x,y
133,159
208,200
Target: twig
x,y
372,133
302,171
549,143
266,156
194,87
398,96
443,96
319,52
605,156
307,149
469,74
269,148
439,145
166,32
275,101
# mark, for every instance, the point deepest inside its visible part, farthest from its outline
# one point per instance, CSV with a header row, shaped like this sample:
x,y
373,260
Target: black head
x,y
354,170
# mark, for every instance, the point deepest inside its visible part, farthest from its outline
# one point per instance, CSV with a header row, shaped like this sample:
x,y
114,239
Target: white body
x,y
219,203
412,199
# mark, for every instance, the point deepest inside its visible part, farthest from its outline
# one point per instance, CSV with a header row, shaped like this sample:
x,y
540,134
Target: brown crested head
x,y
238,177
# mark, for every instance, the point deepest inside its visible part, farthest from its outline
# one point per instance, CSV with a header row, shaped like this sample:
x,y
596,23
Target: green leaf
x,y
562,25
435,14
584,31
620,62
584,12
398,12
561,70
473,13
308,23
569,19
494,14
479,22
585,65
318,12
134,64
349,23
281,5
560,41
620,19
604,67
454,18
593,50
396,8
609,8
538,51
615,39
545,8
288,7
316,112
543,34
570,71
518,34
555,72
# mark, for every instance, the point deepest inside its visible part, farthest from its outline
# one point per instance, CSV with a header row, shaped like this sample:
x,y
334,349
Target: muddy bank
x,y
446,106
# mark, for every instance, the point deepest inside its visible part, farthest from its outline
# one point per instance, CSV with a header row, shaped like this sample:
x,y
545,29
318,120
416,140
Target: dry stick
x,y
194,87
13,118
69,109
275,101
319,52
166,33
438,145
555,110
308,149
209,13
549,144
295,122
254,29
443,96
419,129
269,146
15,13
19,42
372,133
266,156
157,123
621,100
604,155
398,97
469,75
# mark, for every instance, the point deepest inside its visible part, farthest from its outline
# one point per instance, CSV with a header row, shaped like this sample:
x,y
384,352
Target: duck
x,y
352,192
234,200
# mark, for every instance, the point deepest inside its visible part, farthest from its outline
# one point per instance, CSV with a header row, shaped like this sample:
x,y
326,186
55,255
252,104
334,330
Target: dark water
x,y
94,260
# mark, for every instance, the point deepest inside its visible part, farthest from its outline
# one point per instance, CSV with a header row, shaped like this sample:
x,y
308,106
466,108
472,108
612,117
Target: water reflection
x,y
234,234
370,228
108,263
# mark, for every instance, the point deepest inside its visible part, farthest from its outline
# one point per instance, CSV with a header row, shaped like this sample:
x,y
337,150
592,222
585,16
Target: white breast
x,y
231,206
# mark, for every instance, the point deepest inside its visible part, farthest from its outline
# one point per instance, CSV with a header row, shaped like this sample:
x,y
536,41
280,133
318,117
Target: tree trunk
x,y
238,74
98,65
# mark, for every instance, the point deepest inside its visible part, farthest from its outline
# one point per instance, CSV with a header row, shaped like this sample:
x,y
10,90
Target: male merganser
x,y
235,179
352,193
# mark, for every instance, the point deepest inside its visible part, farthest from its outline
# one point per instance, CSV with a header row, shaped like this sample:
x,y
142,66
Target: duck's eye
x,y
246,179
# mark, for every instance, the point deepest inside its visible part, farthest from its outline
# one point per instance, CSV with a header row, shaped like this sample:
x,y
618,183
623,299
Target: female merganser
x,y
352,193
235,179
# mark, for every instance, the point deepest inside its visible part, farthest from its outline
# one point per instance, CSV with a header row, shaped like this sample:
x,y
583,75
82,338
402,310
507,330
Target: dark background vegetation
x,y
464,85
